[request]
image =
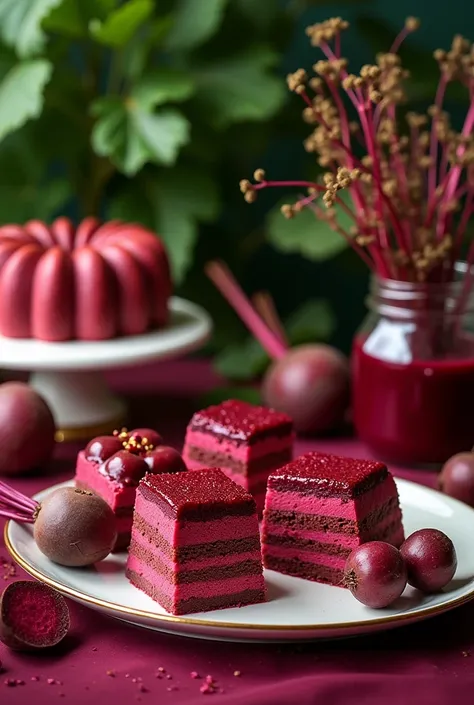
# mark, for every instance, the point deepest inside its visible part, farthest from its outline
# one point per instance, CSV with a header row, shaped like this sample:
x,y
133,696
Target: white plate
x,y
296,610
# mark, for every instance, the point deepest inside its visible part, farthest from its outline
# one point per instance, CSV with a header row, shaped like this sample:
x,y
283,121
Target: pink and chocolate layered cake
x,y
195,543
246,442
112,467
320,507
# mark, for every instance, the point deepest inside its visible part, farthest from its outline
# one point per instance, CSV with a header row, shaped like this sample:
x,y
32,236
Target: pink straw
x,y
229,288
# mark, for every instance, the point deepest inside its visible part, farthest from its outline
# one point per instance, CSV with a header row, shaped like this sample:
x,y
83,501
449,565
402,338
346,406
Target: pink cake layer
x,y
355,510
187,533
180,566
237,449
200,589
115,494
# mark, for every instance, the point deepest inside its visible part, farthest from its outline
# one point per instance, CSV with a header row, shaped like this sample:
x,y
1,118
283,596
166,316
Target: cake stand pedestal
x,y
70,377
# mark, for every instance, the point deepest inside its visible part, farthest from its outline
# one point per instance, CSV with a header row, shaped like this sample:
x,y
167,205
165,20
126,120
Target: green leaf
x,y
72,17
182,198
20,24
242,361
220,394
131,134
314,321
306,235
261,14
163,86
194,23
121,25
21,94
240,88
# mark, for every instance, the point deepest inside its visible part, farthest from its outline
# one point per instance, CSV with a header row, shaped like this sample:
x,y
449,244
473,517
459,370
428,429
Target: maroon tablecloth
x,y
430,663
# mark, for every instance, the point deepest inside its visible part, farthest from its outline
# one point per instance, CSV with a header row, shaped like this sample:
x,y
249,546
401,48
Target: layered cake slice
x,y
195,543
320,507
246,442
112,467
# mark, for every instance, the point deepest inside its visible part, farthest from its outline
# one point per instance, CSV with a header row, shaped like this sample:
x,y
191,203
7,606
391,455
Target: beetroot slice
x,y
32,616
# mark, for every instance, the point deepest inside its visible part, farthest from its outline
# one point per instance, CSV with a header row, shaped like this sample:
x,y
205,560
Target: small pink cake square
x,y
320,507
112,467
195,543
246,442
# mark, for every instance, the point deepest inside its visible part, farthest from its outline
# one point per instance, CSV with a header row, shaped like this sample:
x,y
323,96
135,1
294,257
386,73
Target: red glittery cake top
x,y
197,494
322,474
241,421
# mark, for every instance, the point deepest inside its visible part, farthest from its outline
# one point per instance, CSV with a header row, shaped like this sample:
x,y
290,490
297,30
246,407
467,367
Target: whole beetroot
x,y
456,478
74,527
311,384
32,616
430,558
376,574
28,429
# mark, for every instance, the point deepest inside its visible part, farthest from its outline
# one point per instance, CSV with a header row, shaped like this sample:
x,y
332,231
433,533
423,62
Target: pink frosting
x,y
117,496
202,589
194,532
195,563
356,509
242,452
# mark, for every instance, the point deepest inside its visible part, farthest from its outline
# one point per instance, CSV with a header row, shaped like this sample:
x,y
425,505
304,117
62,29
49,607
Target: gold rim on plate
x,y
80,433
190,621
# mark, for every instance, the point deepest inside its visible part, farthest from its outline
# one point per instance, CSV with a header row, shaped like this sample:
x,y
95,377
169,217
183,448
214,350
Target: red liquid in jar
x,y
420,412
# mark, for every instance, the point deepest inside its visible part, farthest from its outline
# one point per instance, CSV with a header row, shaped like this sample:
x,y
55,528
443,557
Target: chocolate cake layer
x,y
322,487
305,544
317,522
200,512
246,567
215,459
309,571
198,550
195,604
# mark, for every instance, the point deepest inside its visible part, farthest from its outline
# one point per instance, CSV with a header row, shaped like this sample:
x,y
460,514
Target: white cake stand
x,y
69,375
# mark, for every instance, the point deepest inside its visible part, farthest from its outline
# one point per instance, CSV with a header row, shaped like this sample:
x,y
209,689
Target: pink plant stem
x,y
265,307
350,241
7,492
15,504
456,171
356,191
433,169
22,518
229,288
399,39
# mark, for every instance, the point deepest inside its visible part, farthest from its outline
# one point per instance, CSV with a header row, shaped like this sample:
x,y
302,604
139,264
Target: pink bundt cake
x,y
95,282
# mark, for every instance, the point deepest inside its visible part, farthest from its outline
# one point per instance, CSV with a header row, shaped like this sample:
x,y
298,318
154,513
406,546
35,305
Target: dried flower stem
x,y
407,189
229,288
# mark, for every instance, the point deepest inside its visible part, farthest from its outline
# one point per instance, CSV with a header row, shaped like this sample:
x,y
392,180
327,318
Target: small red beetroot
x,y
310,383
456,478
376,574
430,558
28,429
32,616
72,527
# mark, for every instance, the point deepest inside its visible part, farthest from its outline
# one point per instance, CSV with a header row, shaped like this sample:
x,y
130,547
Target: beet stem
x,y
223,279
12,503
9,494
16,516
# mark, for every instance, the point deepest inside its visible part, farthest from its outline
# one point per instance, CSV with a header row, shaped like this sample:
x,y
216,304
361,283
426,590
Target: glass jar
x,y
413,370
